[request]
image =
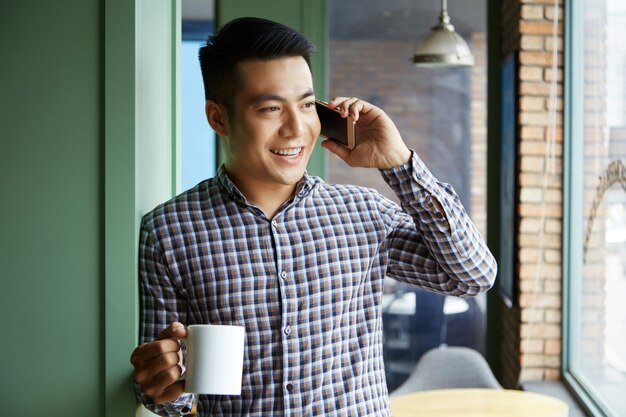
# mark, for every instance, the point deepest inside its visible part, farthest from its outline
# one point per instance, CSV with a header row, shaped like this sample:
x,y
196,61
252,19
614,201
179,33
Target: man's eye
x,y
309,104
270,109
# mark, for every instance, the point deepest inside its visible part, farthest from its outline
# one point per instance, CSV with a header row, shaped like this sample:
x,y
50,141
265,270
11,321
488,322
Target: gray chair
x,y
449,367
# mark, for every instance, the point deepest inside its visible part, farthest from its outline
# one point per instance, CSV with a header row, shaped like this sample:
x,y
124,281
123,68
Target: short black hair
x,y
243,39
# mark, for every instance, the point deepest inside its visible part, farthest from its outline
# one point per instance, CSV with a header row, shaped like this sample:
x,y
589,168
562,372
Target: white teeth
x,y
287,152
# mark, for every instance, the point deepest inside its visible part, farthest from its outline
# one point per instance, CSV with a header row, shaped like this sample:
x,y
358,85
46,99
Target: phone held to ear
x,y
336,127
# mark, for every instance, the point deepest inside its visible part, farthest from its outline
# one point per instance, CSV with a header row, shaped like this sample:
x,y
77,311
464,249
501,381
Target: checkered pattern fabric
x,y
307,284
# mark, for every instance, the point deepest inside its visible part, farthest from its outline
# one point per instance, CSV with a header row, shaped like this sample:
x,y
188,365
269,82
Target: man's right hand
x,y
158,365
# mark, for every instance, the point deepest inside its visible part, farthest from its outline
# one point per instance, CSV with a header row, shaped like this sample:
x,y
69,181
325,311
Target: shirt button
x,y
289,387
283,275
275,223
287,330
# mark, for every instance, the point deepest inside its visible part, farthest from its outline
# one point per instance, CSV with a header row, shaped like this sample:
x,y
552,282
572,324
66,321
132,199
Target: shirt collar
x,y
302,189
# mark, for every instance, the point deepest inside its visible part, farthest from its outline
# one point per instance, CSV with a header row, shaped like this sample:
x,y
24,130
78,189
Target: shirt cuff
x,y
413,182
417,189
416,169
179,407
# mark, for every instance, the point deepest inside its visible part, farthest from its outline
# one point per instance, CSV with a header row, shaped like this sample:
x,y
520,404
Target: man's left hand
x,y
379,144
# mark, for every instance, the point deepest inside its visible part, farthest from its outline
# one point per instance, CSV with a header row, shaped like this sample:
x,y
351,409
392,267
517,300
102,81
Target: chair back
x,y
449,367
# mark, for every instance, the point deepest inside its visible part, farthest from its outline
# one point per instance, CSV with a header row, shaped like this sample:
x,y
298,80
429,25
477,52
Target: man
x,y
298,262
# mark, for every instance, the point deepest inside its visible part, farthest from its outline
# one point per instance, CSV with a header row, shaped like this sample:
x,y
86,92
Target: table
x,y
477,402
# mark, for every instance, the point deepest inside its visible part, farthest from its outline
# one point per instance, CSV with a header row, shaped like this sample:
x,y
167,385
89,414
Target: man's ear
x,y
217,117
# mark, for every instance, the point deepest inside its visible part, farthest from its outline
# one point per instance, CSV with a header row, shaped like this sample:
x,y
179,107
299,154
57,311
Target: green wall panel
x,y
120,218
51,352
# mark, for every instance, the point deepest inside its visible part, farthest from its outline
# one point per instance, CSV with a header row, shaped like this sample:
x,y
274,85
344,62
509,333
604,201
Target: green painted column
x,y
120,218
141,129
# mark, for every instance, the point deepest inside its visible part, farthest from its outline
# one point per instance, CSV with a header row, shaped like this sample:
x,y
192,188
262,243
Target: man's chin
x,y
291,178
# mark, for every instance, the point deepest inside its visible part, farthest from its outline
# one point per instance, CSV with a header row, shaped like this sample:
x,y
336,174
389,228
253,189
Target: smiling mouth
x,y
287,152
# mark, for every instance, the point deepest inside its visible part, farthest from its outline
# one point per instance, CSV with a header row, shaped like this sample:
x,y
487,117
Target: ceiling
x,y
378,19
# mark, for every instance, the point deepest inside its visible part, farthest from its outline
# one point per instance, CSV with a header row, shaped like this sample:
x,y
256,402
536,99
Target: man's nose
x,y
293,125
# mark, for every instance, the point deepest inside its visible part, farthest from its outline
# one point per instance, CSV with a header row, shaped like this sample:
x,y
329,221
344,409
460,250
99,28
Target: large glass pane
x,y
600,335
198,147
441,113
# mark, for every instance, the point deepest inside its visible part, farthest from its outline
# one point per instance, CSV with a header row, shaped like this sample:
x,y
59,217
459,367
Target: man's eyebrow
x,y
274,97
308,93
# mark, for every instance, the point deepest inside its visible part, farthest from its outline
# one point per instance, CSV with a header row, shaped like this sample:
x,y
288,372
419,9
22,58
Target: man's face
x,y
274,125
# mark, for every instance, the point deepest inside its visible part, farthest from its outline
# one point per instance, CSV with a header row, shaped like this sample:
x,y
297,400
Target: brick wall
x,y
530,330
478,178
539,278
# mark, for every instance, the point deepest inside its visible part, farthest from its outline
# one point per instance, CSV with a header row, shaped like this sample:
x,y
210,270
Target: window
x,y
595,325
198,148
441,113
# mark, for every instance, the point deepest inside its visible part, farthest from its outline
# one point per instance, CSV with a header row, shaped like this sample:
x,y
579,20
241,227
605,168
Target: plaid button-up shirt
x,y
307,284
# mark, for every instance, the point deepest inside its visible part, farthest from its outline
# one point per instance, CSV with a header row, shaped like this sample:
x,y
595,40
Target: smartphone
x,y
336,127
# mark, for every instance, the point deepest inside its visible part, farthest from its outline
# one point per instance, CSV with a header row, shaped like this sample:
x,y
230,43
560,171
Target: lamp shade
x,y
443,47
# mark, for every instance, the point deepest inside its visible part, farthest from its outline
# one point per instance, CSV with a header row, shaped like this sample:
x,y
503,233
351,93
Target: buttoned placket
x,y
289,310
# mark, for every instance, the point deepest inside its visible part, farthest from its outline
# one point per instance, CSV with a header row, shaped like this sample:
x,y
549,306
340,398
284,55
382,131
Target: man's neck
x,y
268,197
269,201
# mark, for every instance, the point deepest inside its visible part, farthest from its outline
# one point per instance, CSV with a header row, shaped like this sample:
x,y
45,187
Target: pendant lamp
x,y
443,47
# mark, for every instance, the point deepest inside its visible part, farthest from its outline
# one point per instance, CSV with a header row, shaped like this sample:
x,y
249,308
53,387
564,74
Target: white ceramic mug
x,y
214,359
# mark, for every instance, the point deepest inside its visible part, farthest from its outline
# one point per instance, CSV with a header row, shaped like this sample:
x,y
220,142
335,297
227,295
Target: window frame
x,y
573,153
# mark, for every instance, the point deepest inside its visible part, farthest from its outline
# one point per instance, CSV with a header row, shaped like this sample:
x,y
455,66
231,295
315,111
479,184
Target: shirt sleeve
x,y
431,241
161,305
